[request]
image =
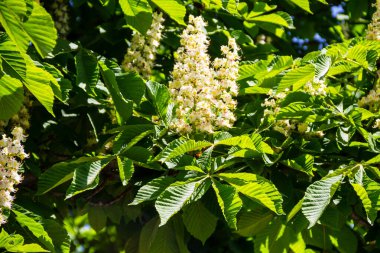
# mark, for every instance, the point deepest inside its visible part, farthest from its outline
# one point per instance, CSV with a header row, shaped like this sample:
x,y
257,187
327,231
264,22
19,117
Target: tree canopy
x,y
180,126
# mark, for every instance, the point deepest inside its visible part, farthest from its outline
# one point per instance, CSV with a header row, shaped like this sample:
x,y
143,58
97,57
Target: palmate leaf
x,y
173,198
174,8
11,96
229,201
318,196
199,221
179,147
256,188
152,190
138,14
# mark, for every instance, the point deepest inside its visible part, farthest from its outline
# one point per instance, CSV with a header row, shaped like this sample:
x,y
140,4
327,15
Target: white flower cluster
x,y
372,100
142,52
377,124
61,16
284,126
316,88
373,32
203,94
11,155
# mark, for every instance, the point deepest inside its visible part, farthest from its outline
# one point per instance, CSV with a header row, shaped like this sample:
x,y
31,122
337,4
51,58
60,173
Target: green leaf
x,y
199,221
277,237
159,96
12,61
61,238
304,4
61,172
243,141
11,96
252,223
229,202
87,70
256,188
374,160
131,86
123,106
97,217
302,163
126,169
152,190
41,30
297,78
318,196
174,8
86,176
173,198
24,218
322,66
38,83
273,18
180,147
12,24
130,136
138,14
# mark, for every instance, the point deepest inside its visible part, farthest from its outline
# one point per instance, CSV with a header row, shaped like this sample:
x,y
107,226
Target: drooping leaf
x,y
138,14
126,169
87,70
130,135
152,190
60,173
86,176
11,96
41,30
199,221
25,219
179,147
297,78
12,61
256,188
304,4
252,223
174,8
123,106
159,96
173,198
229,202
318,196
38,83
131,86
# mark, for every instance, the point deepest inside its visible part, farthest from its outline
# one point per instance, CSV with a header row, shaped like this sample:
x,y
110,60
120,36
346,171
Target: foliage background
x,y
90,136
